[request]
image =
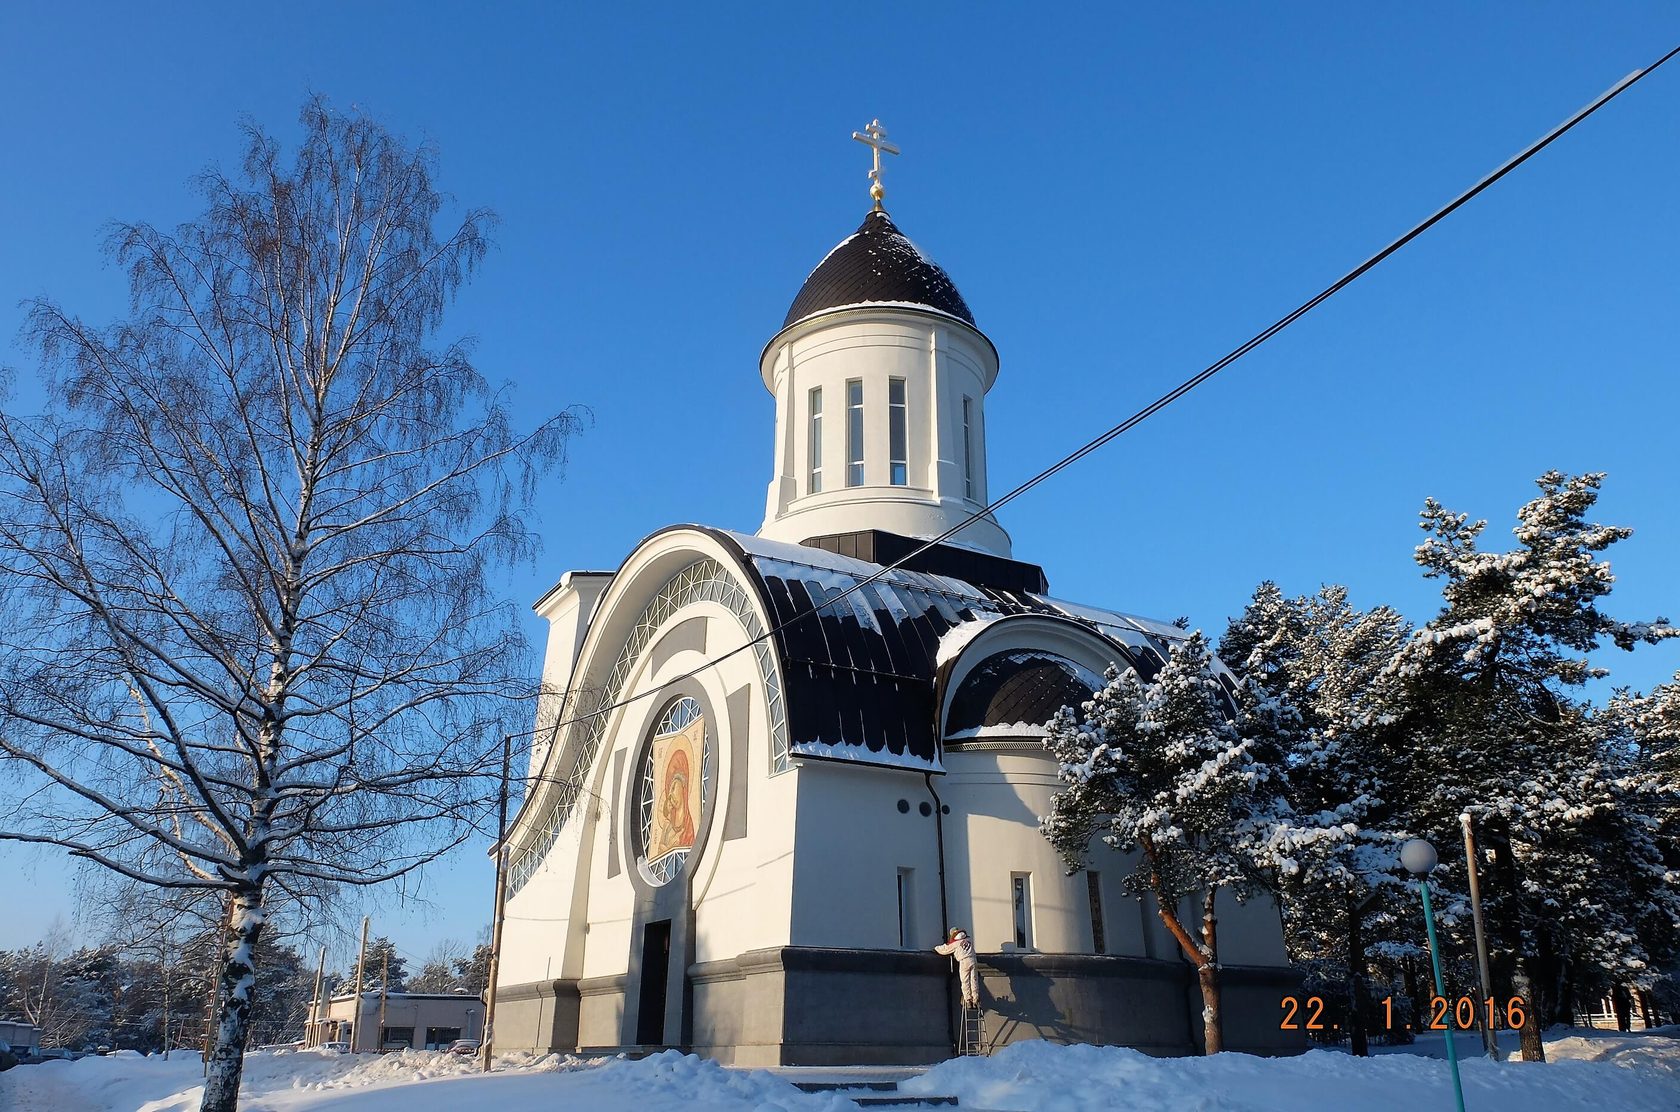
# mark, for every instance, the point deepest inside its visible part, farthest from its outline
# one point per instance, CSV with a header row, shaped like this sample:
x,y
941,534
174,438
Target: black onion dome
x,y
877,263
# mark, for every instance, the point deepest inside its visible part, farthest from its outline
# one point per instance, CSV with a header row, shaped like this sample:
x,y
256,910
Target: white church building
x,y
766,803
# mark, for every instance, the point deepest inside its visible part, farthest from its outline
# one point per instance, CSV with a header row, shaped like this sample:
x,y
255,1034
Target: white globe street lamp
x,y
1420,859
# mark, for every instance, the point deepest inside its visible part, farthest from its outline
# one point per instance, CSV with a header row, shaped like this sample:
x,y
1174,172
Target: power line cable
x,y
1170,396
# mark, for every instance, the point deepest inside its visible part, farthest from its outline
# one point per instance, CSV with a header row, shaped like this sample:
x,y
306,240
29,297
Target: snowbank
x,y
413,1081
1629,1074
1592,1071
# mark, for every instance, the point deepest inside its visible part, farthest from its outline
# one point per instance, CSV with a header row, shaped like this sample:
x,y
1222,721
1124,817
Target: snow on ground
x,y
412,1081
1590,1070
1593,1071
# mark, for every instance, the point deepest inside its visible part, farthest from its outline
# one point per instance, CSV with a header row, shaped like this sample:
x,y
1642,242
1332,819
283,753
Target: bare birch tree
x,y
248,644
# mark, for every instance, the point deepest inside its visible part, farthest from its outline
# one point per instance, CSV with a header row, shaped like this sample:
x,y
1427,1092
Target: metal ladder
x,y
971,1033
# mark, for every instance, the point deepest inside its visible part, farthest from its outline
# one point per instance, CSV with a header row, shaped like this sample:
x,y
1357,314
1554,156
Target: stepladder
x,y
971,1033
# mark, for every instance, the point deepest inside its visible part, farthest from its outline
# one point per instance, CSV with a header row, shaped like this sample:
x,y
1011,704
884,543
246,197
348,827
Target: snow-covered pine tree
x,y
1168,769
473,971
1645,731
1642,746
383,961
1499,730
1330,663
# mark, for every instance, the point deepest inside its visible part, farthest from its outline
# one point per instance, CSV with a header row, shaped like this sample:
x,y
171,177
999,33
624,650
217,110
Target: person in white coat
x,y
962,947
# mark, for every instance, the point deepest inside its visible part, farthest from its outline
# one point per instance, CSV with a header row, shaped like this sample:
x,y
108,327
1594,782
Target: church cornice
x,y
908,312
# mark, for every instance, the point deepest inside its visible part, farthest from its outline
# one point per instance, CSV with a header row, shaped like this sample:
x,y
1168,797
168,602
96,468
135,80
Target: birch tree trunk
x,y
238,983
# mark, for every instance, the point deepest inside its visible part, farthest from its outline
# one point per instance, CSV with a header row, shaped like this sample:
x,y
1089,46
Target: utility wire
x,y
1175,393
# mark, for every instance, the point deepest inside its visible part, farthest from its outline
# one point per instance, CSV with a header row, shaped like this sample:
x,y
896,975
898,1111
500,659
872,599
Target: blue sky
x,y
1121,196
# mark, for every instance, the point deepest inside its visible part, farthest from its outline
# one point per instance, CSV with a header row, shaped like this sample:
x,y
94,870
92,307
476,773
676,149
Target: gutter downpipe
x,y
944,906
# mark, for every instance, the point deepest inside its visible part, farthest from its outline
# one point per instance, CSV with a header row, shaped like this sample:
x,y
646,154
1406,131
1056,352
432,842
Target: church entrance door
x,y
656,972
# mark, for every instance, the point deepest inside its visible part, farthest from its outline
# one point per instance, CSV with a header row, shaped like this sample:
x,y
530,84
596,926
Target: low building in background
x,y
397,1020
23,1038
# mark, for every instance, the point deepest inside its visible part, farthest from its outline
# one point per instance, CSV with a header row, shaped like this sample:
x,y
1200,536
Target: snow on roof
x,y
859,660
848,751
956,638
1000,729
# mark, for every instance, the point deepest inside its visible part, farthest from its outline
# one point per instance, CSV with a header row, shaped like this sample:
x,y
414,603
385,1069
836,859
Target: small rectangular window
x,y
906,930
968,448
898,433
854,432
815,447
1099,939
1021,897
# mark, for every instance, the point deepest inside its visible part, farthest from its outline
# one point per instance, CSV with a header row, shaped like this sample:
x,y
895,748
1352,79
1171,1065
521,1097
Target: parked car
x,y
464,1046
340,1047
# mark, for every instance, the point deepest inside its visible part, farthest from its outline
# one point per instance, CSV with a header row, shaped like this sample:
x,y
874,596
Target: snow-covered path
x,y
1591,1072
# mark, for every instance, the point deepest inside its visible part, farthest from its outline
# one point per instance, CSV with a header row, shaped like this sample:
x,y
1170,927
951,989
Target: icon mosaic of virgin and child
x,y
676,789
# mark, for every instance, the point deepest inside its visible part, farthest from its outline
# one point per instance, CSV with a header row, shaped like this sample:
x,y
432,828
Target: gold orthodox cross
x,y
875,137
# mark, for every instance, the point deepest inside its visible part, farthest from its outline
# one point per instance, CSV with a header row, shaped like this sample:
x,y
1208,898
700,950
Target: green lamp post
x,y
1420,859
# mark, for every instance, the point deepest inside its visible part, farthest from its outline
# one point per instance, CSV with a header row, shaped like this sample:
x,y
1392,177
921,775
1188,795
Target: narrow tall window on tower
x,y
815,484
906,930
1099,935
968,447
898,432
854,432
1020,885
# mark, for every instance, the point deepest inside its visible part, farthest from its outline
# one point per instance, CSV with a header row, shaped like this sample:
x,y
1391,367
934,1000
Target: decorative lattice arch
x,y
705,580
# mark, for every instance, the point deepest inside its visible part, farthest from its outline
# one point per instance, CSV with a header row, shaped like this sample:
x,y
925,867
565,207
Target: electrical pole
x,y
312,1036
356,1007
1489,1038
496,915
384,989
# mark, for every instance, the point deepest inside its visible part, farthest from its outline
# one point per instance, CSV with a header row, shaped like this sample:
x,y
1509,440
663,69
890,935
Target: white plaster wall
x,y
567,609
996,798
1250,933
852,840
536,920
941,361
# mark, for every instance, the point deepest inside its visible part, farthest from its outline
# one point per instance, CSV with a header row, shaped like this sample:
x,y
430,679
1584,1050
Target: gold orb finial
x,y
875,137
